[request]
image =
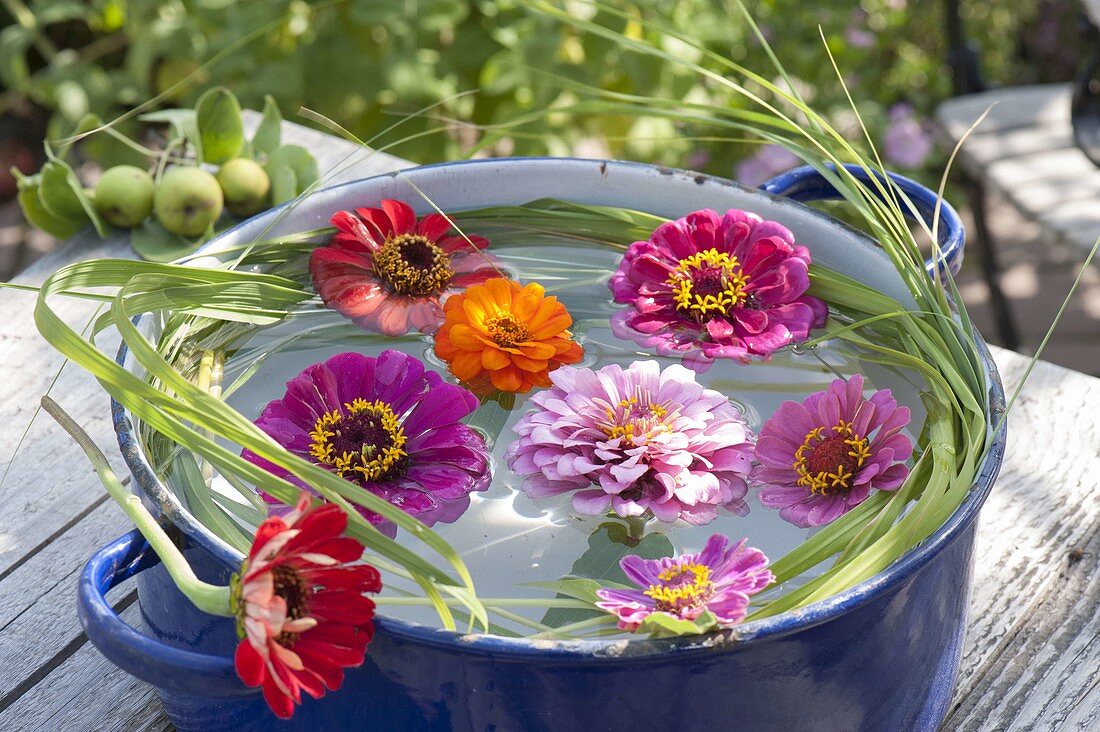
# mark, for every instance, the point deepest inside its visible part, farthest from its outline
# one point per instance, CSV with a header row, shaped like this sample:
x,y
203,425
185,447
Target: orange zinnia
x,y
505,334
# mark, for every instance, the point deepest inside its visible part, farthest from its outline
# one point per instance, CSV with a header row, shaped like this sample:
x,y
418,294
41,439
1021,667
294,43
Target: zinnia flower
x,y
633,440
718,579
301,612
707,286
506,335
387,425
821,458
389,272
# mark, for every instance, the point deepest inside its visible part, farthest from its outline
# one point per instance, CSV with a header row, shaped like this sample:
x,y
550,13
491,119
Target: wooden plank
x,y
1047,673
41,491
1022,107
85,693
37,611
1045,503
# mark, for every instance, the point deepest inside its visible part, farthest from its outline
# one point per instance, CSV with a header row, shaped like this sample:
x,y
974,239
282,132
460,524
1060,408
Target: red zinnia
x,y
389,272
301,614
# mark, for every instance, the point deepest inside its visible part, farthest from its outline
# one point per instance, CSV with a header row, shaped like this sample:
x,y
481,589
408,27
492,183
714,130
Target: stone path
x,y
1036,278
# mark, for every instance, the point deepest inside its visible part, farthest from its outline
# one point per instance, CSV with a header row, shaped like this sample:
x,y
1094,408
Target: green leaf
x,y
607,545
14,42
187,478
284,184
39,217
58,11
663,625
154,243
269,132
491,417
56,193
221,131
184,122
298,161
63,195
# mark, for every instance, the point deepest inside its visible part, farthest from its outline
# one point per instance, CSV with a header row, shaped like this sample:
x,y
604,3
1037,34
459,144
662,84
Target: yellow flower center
x,y
682,587
708,283
363,442
506,332
635,420
412,265
827,459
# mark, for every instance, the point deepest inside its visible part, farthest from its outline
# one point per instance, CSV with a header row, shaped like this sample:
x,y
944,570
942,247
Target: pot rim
x,y
519,649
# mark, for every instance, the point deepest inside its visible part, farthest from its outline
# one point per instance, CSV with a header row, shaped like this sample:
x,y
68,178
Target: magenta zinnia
x,y
389,272
707,286
821,458
718,579
387,425
302,614
635,440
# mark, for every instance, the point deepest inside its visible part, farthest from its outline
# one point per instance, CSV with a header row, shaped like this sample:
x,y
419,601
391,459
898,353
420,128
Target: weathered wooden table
x,y
1032,654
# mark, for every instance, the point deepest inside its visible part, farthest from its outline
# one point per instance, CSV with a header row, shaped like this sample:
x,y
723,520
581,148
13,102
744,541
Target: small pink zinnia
x,y
707,286
821,458
635,440
389,272
301,606
718,579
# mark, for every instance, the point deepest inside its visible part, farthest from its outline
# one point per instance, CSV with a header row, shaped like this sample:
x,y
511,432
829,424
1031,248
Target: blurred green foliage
x,y
364,63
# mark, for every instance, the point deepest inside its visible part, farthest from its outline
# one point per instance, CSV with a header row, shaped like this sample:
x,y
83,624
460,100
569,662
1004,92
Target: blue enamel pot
x,y
882,655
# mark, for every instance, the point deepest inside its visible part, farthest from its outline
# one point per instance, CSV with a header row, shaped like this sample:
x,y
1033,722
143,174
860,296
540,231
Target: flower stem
x,y
574,627
213,599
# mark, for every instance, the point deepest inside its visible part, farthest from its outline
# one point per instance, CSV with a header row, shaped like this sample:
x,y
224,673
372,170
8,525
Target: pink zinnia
x,y
718,579
821,458
707,286
389,272
633,440
302,613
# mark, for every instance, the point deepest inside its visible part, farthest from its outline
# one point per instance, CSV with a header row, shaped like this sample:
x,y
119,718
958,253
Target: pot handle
x,y
806,184
182,671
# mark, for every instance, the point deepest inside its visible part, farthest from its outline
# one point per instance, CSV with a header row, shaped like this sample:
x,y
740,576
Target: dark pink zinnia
x,y
707,286
387,425
821,458
389,272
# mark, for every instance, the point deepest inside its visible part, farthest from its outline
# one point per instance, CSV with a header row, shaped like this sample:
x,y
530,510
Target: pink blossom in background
x,y
906,143
768,162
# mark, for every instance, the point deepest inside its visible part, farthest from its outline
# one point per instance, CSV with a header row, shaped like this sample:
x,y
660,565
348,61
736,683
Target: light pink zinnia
x,y
821,458
719,579
389,272
633,440
707,286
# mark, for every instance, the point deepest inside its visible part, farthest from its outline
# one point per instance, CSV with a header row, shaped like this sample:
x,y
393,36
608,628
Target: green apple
x,y
124,195
187,201
245,185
